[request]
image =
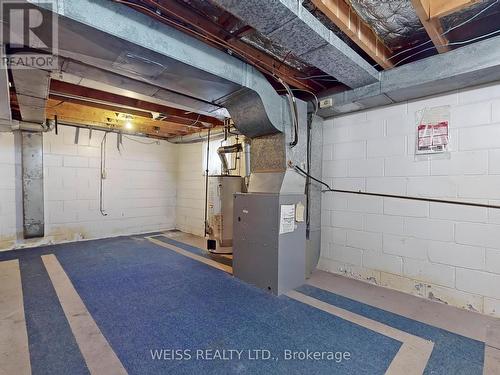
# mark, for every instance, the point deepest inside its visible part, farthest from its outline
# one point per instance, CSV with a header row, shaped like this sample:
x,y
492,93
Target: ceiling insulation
x,y
254,38
474,12
395,21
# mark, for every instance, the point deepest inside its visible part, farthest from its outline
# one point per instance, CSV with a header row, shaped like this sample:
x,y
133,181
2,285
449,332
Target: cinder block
x,y
458,213
486,235
486,187
364,240
335,168
429,272
347,254
457,255
479,93
461,163
405,207
406,166
350,150
492,306
471,114
399,125
494,161
478,282
332,134
407,247
384,224
327,151
349,119
388,146
349,183
383,262
493,260
50,160
439,230
495,107
480,137
348,220
365,203
403,284
453,297
366,167
435,186
386,185
365,130
75,162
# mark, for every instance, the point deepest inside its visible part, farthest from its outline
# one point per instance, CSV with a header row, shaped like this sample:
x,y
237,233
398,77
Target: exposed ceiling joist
x,y
347,20
92,116
431,25
173,114
440,8
215,34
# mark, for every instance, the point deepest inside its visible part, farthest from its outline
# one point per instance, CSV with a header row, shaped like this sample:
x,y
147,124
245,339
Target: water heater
x,y
221,190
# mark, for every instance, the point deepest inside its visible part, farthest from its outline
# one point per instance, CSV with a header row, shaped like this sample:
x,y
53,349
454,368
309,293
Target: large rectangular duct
x,y
292,26
475,64
32,178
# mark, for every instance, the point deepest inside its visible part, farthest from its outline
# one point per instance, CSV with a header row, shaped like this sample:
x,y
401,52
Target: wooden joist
x,y
441,8
93,116
347,20
432,25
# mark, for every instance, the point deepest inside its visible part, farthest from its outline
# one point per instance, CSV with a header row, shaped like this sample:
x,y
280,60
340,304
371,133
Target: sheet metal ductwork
x,y
136,46
474,64
291,25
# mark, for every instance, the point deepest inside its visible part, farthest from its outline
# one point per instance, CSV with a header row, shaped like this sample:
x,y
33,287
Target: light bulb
x,y
128,125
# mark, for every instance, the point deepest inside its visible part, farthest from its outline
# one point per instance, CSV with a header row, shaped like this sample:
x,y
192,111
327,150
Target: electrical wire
x,y
221,42
449,44
103,172
293,111
423,199
444,33
141,142
316,106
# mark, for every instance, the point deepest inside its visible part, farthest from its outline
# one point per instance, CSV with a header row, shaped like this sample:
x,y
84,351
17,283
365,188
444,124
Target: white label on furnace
x,y
287,218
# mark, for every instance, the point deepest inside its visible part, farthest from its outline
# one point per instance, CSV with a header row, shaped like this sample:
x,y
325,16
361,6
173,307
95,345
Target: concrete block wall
x,y
446,253
139,192
190,210
9,163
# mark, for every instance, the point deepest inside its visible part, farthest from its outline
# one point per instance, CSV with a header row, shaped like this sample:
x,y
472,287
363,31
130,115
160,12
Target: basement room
x,y
249,187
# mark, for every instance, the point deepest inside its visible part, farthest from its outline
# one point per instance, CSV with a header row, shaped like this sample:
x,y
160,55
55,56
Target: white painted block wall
x,y
190,189
7,191
139,192
443,252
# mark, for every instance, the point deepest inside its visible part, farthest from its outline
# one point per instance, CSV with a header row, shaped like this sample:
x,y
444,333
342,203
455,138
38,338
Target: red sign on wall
x,y
432,138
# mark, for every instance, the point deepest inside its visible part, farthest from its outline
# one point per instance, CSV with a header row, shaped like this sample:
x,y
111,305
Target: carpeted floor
x,y
146,298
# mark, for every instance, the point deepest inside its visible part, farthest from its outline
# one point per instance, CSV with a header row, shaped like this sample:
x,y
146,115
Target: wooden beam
x,y
431,25
92,116
347,20
441,8
173,114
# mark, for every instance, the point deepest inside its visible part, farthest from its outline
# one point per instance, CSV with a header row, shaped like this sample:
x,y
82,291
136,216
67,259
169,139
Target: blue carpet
x,y
52,346
145,297
452,354
195,250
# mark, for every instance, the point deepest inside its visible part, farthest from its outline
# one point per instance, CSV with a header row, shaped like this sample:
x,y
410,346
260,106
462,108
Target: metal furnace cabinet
x,y
261,255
